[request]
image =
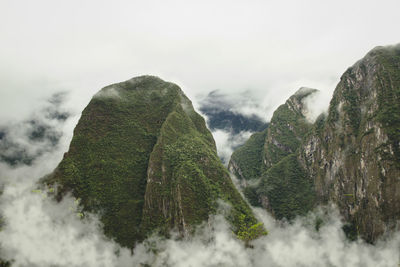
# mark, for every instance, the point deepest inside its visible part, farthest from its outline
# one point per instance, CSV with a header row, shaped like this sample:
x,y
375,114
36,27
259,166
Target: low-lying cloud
x,y
39,231
232,119
21,142
244,103
317,104
227,142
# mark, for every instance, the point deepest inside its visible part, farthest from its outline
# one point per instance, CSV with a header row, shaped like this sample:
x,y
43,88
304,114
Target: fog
x,y
41,232
270,48
227,141
38,231
267,49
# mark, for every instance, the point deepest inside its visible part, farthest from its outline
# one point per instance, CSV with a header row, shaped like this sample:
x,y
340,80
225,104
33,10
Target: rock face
x,y
143,159
351,156
269,173
354,155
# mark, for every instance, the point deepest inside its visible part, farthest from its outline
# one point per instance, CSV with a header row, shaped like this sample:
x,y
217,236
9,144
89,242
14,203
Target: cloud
x,y
317,104
21,142
268,47
108,92
297,244
244,103
41,232
227,141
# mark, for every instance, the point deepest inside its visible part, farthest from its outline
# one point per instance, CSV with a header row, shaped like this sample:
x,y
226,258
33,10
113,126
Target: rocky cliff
x,y
350,157
143,159
354,155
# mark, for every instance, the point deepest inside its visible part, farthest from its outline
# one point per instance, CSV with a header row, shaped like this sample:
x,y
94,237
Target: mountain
x,y
221,114
143,160
351,157
354,155
270,175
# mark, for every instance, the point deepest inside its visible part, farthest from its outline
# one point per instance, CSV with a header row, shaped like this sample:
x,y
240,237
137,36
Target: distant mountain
x,y
221,115
22,142
350,157
144,161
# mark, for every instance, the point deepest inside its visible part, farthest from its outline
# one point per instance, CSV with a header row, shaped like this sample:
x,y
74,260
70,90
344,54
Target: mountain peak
x,y
144,160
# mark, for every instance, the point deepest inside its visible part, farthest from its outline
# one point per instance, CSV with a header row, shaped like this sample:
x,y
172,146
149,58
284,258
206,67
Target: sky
x,y
266,48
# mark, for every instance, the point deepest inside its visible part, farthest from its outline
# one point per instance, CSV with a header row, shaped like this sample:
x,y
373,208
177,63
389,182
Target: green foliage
x,y
106,165
333,114
249,156
248,232
389,100
351,108
283,181
250,192
143,159
287,128
351,231
288,188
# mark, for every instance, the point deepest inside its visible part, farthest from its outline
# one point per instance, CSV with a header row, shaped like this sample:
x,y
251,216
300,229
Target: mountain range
x,y
143,160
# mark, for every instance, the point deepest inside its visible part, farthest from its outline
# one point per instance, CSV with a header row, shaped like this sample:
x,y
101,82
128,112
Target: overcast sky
x,y
270,48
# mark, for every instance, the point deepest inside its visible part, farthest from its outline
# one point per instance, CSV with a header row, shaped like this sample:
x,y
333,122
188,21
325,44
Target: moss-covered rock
x,y
143,159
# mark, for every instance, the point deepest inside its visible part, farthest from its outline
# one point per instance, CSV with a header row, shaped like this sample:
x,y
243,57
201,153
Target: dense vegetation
x,y
143,159
350,158
287,128
267,161
248,157
288,187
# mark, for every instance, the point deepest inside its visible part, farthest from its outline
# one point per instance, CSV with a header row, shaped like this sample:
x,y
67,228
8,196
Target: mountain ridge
x,y
351,156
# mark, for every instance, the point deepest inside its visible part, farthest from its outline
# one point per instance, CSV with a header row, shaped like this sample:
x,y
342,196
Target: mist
x,y
255,53
38,231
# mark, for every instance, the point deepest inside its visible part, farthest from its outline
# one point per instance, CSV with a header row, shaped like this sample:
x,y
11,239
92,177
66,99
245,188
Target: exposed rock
x,y
351,157
354,158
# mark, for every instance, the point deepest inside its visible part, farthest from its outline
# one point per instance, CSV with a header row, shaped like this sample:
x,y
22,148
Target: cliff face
x,y
271,177
354,155
350,157
143,159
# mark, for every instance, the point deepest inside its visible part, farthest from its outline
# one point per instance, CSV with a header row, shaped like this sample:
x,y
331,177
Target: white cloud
x,y
41,232
260,46
317,104
227,141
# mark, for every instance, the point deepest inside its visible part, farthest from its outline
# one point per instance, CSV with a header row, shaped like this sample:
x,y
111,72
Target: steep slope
x,y
354,156
143,159
350,157
270,175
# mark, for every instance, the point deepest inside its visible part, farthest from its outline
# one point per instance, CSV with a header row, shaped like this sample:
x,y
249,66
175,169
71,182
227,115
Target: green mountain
x,y
143,160
271,177
350,158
